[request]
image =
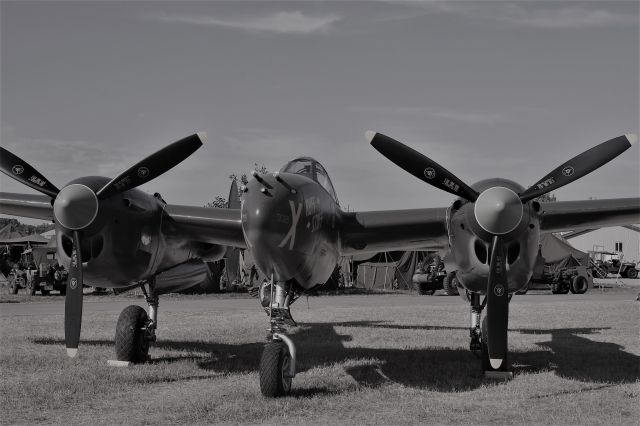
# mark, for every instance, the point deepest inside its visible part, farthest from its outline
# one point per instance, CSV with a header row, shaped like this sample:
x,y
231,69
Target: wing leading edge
x,y
26,205
210,225
577,215
375,231
361,232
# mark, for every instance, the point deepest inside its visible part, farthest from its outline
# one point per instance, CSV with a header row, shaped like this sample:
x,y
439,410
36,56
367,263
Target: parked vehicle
x,y
38,270
430,276
567,276
610,263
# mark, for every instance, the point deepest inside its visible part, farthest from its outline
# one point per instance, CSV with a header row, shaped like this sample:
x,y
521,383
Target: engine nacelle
x,y
471,245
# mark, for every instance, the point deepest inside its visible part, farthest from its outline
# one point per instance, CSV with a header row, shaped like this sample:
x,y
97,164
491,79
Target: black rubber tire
x,y
44,292
484,351
130,341
632,273
450,284
579,285
275,359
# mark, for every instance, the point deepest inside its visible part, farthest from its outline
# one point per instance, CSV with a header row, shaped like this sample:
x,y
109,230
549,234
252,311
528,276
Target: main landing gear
x,y
479,332
136,329
278,362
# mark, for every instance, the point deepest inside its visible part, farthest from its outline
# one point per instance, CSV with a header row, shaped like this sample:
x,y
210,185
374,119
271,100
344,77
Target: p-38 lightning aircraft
x,y
291,220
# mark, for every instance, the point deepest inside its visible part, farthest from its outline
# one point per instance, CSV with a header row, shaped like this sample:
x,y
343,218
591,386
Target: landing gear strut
x,y
278,362
474,330
136,329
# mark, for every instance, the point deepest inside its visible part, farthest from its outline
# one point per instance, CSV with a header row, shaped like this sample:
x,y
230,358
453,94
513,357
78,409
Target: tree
x,y
546,198
220,201
24,229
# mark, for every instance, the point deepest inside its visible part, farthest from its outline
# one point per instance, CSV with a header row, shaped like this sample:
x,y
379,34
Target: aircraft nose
x,y
271,212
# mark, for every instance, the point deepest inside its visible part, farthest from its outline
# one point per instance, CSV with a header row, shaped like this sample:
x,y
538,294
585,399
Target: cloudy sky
x,y
509,89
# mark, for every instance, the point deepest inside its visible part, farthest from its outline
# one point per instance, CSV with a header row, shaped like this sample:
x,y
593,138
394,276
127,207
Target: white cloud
x,y
286,22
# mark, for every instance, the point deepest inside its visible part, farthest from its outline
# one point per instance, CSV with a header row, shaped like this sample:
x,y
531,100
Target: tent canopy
x,y
555,249
384,270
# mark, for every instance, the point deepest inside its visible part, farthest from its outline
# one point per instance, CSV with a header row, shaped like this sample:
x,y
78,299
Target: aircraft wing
x,y
576,215
26,205
208,224
375,231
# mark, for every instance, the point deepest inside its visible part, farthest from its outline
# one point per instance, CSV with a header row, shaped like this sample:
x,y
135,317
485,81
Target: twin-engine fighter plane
x,y
292,222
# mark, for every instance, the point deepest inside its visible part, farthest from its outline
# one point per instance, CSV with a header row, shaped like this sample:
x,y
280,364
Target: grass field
x,y
382,359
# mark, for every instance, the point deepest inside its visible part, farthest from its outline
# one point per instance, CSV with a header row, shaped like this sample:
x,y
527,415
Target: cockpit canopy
x,y
310,168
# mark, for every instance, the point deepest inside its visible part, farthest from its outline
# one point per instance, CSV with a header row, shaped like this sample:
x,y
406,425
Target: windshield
x,y
300,167
313,170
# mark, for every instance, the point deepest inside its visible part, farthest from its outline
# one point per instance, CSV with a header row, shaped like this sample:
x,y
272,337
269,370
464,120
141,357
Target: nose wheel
x,y
276,369
278,361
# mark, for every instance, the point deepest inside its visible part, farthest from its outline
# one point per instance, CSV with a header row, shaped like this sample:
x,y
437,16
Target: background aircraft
x,y
292,222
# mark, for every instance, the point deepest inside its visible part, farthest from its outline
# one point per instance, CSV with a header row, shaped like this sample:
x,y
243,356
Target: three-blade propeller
x,y
75,207
498,211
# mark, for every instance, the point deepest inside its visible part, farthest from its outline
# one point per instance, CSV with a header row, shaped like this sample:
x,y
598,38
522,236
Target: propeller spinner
x,y
76,207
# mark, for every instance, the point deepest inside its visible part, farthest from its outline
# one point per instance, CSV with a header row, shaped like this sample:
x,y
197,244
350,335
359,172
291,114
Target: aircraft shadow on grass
x,y
568,354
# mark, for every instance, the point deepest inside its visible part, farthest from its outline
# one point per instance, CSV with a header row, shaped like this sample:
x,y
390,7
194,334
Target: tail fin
x,y
232,256
234,196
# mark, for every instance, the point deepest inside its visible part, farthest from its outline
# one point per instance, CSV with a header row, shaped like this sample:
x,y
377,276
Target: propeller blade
x,y
153,166
420,166
20,170
497,305
579,166
73,300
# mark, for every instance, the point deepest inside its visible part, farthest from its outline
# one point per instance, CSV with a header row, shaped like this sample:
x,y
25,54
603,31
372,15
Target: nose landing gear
x,y
278,362
474,330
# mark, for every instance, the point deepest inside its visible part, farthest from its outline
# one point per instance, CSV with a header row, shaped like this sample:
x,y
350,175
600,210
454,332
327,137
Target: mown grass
x,y
377,360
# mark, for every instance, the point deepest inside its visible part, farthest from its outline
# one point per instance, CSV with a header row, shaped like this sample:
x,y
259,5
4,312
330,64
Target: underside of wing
x,y
26,205
210,225
589,214
375,231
